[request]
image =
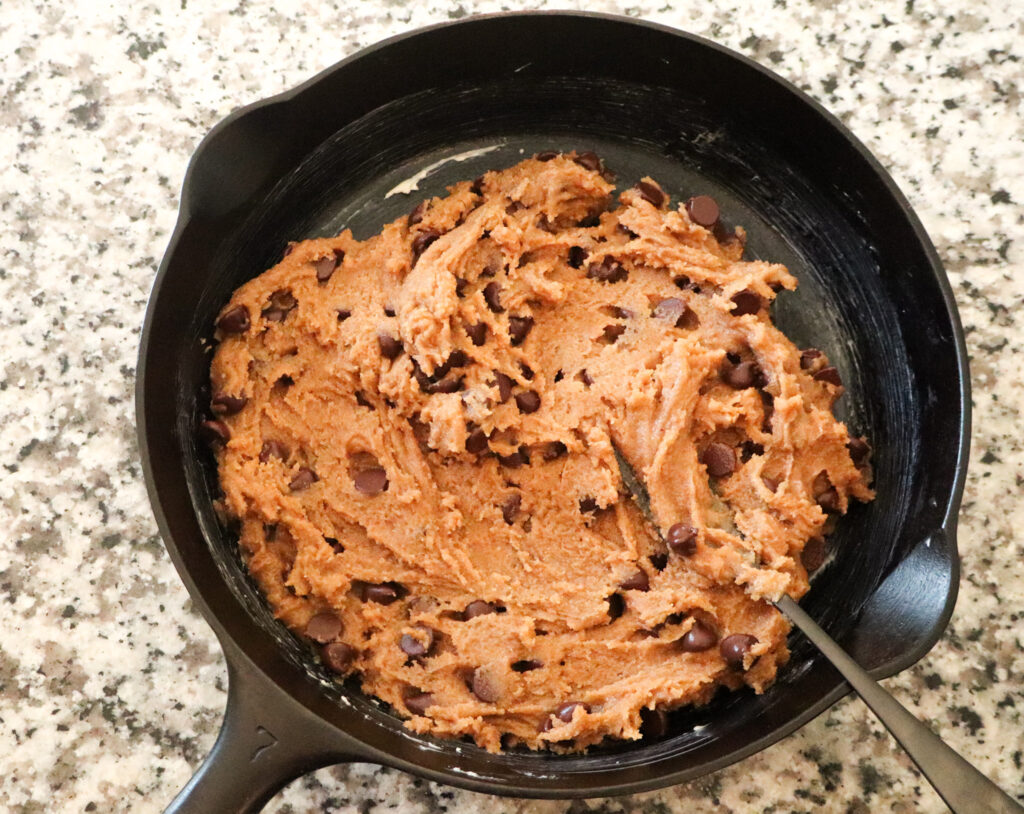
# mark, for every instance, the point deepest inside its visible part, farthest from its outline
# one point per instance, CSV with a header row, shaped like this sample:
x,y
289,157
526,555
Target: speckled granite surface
x,y
112,687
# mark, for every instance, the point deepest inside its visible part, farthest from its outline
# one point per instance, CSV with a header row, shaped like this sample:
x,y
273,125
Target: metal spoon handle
x,y
963,787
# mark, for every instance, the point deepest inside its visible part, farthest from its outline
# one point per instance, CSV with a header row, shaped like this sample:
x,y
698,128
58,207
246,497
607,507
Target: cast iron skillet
x,y
650,100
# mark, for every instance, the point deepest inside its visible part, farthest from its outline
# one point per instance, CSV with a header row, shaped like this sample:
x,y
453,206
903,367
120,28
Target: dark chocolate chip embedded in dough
x,y
650,193
383,594
734,648
478,607
703,210
566,711
303,479
452,383
546,155
616,606
457,358
519,328
477,187
554,450
338,656
743,375
273,449
746,302
588,505
421,242
860,451
577,254
607,270
234,321
585,377
698,639
418,702
477,333
676,313
476,442
829,500
809,357
513,460
813,555
611,333
461,284
505,384
528,401
390,347
748,449
658,561
289,248
589,160
371,481
526,370
492,296
325,267
484,686
343,314
526,665
636,582
653,723
719,459
510,508
324,627
417,213
417,647
829,375
223,404
214,432
682,539
771,484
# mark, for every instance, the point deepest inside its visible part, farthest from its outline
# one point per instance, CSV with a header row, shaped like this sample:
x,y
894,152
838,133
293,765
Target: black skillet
x,y
650,100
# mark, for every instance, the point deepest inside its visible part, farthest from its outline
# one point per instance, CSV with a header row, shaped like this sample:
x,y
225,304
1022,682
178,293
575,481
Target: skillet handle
x,y
267,740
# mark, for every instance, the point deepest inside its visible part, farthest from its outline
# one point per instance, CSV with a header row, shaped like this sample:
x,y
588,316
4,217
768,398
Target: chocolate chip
x,y
585,377
325,267
554,450
214,433
566,711
223,404
526,370
829,375
588,505
505,384
658,561
383,594
636,582
461,285
813,555
748,449
371,481
417,213
484,687
682,539
610,333
734,648
698,639
616,606
528,401
492,296
418,702
324,627
390,348
303,479
288,249
476,442
860,451
650,193
719,459
742,375
457,358
421,242
274,314
526,665
452,383
577,254
510,508
477,187
703,210
746,302
771,484
518,328
546,155
676,313
234,321
809,357
417,647
478,607
829,500
477,333
607,270
589,161
338,656
653,723
514,460
343,314
273,449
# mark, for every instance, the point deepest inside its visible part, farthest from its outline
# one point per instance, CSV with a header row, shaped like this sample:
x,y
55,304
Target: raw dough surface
x,y
525,318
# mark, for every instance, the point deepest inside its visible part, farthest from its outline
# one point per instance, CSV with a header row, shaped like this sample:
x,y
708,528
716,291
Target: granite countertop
x,y
112,687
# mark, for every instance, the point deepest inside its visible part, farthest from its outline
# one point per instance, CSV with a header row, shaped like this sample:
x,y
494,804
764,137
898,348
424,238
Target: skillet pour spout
x,y
701,119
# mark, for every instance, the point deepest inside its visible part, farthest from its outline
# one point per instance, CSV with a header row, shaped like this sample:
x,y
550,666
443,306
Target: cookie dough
x,y
416,434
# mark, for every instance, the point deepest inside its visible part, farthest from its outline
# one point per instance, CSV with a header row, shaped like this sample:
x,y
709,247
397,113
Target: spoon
x,y
963,788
